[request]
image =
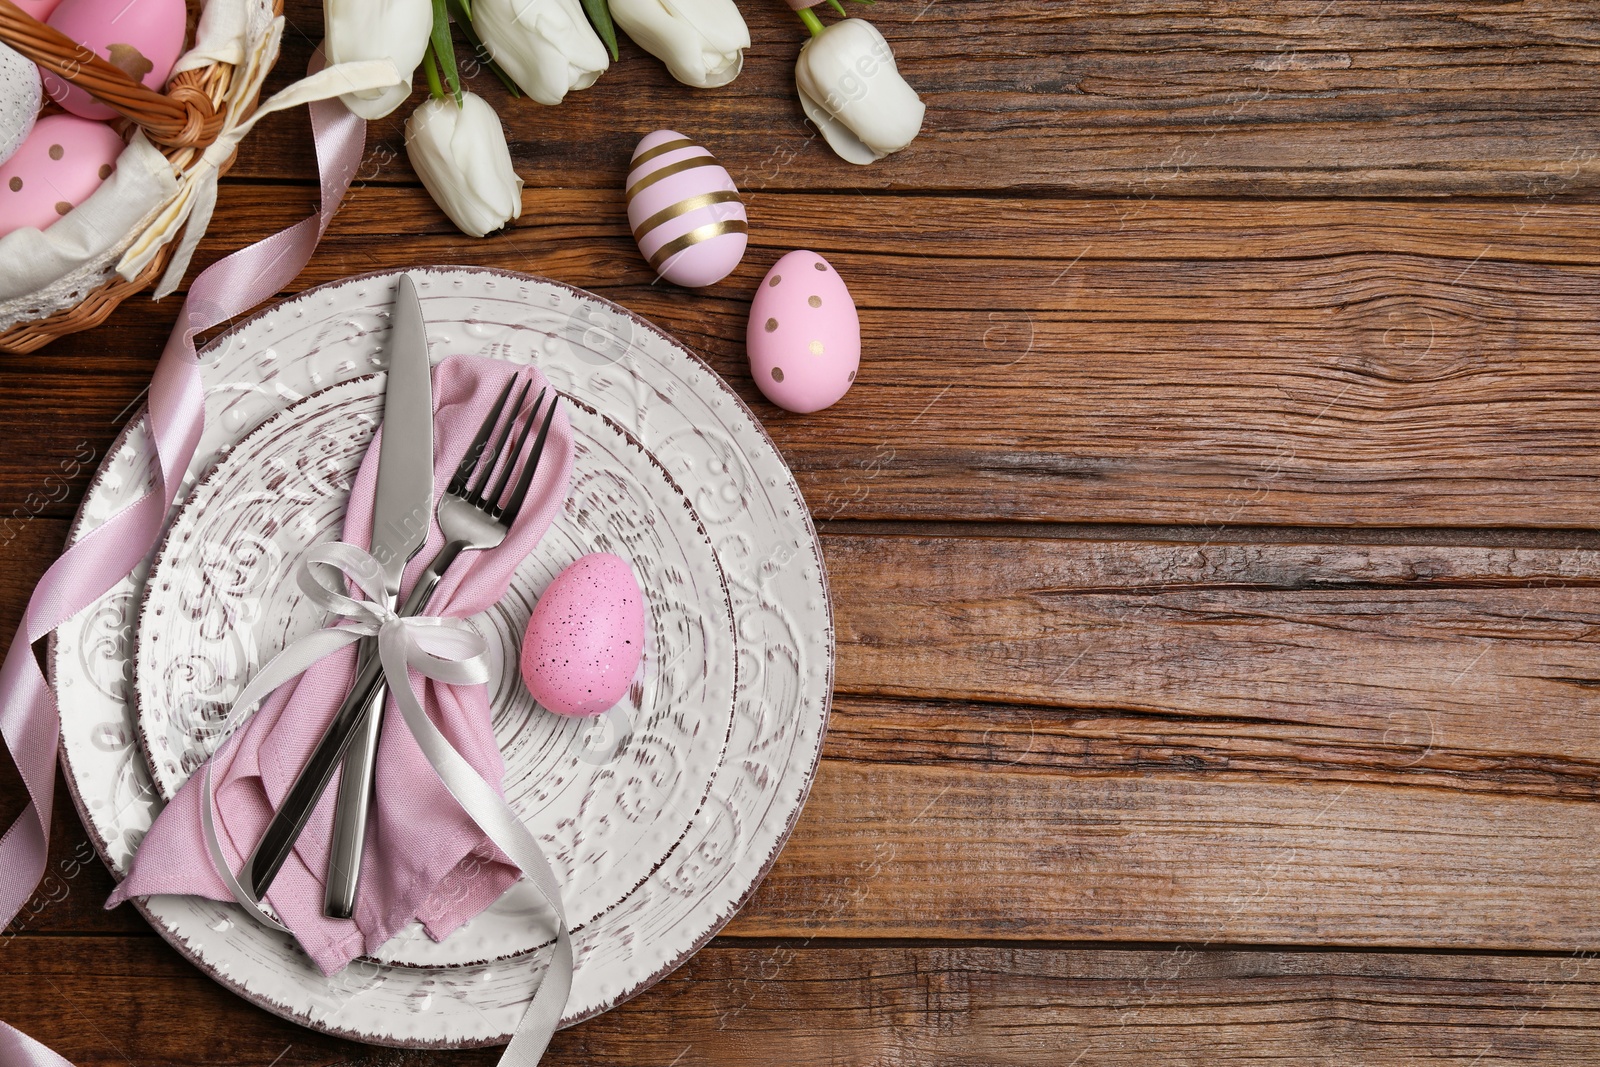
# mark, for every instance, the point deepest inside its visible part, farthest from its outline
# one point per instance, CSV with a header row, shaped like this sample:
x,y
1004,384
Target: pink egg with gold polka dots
x,y
804,338
142,38
61,162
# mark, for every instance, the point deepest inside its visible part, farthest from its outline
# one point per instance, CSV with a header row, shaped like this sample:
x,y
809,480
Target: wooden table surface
x,y
1208,533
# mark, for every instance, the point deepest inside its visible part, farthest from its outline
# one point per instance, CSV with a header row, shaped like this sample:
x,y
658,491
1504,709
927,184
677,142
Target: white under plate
x,y
659,831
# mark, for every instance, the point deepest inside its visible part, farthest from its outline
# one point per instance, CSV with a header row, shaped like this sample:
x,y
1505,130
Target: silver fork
x,y
473,517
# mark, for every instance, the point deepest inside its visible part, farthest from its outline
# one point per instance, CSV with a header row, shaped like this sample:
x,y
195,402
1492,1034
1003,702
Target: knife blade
x,y
402,514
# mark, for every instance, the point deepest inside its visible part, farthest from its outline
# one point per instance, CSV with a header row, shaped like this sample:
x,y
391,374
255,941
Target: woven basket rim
x,y
181,123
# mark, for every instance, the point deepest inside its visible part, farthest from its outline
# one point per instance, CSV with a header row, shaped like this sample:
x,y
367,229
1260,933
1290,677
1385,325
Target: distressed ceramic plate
x,y
672,472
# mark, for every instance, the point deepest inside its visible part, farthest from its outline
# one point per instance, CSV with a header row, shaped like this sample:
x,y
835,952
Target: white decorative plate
x,y
659,830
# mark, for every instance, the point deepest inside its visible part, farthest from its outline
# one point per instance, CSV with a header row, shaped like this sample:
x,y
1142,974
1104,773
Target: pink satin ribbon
x,y
30,724
17,1049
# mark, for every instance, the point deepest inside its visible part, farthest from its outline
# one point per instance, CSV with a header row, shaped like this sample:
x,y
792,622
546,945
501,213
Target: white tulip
x,y
849,86
396,30
461,156
702,42
546,46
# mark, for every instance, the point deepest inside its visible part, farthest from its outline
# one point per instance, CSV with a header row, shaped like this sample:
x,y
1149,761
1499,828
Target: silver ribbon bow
x,y
447,650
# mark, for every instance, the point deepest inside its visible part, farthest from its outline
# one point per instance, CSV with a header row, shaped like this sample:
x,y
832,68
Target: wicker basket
x,y
180,122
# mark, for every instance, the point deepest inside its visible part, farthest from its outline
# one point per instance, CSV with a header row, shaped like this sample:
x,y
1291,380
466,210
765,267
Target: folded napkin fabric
x,y
424,859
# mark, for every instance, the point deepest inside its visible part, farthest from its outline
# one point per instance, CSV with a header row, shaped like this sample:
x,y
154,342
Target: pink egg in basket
x,y
39,9
142,38
586,637
804,337
20,97
684,210
61,162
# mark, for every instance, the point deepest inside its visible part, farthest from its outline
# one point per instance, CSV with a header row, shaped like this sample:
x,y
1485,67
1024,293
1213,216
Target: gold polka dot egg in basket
x,y
100,87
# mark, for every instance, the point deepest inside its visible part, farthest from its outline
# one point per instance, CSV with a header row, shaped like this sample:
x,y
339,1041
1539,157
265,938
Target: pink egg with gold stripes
x,y
684,210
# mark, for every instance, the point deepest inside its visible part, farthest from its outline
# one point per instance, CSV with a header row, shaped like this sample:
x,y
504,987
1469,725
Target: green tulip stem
x,y
431,70
814,24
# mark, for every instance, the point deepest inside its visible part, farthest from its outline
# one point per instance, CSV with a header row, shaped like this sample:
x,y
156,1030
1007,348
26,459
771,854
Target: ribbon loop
x,y
358,566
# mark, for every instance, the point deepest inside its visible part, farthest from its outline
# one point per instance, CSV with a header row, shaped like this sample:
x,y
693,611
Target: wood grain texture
x,y
1326,363
107,1002
911,851
1147,100
1462,666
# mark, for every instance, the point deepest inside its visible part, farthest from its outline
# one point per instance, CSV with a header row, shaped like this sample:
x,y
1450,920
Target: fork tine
x,y
514,505
496,450
492,498
458,484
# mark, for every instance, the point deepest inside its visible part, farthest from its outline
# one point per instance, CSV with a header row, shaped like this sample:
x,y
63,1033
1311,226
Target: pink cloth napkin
x,y
424,858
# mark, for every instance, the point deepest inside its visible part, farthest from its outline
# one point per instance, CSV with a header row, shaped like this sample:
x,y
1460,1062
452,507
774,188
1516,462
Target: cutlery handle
x,y
350,808
295,811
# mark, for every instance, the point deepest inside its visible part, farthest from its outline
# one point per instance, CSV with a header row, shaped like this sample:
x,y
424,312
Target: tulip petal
x,y
702,42
845,144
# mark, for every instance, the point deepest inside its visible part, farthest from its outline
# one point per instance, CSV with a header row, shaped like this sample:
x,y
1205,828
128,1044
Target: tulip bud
x,y
396,30
546,46
461,156
702,42
849,86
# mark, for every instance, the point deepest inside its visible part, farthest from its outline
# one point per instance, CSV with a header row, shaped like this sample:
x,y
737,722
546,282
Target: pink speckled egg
x,y
143,38
684,210
20,98
586,637
804,338
61,162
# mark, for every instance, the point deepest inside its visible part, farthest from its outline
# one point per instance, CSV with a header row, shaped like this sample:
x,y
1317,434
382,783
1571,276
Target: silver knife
x,y
402,514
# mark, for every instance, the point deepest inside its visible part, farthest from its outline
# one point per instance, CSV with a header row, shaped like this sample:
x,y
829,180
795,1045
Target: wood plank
x,y
1396,374
1282,98
997,227
106,1002
917,851
1459,666
1413,735
1130,854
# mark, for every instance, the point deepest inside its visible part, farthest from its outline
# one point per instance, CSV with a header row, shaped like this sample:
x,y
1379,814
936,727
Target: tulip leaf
x,y
463,17
838,7
599,12
444,49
